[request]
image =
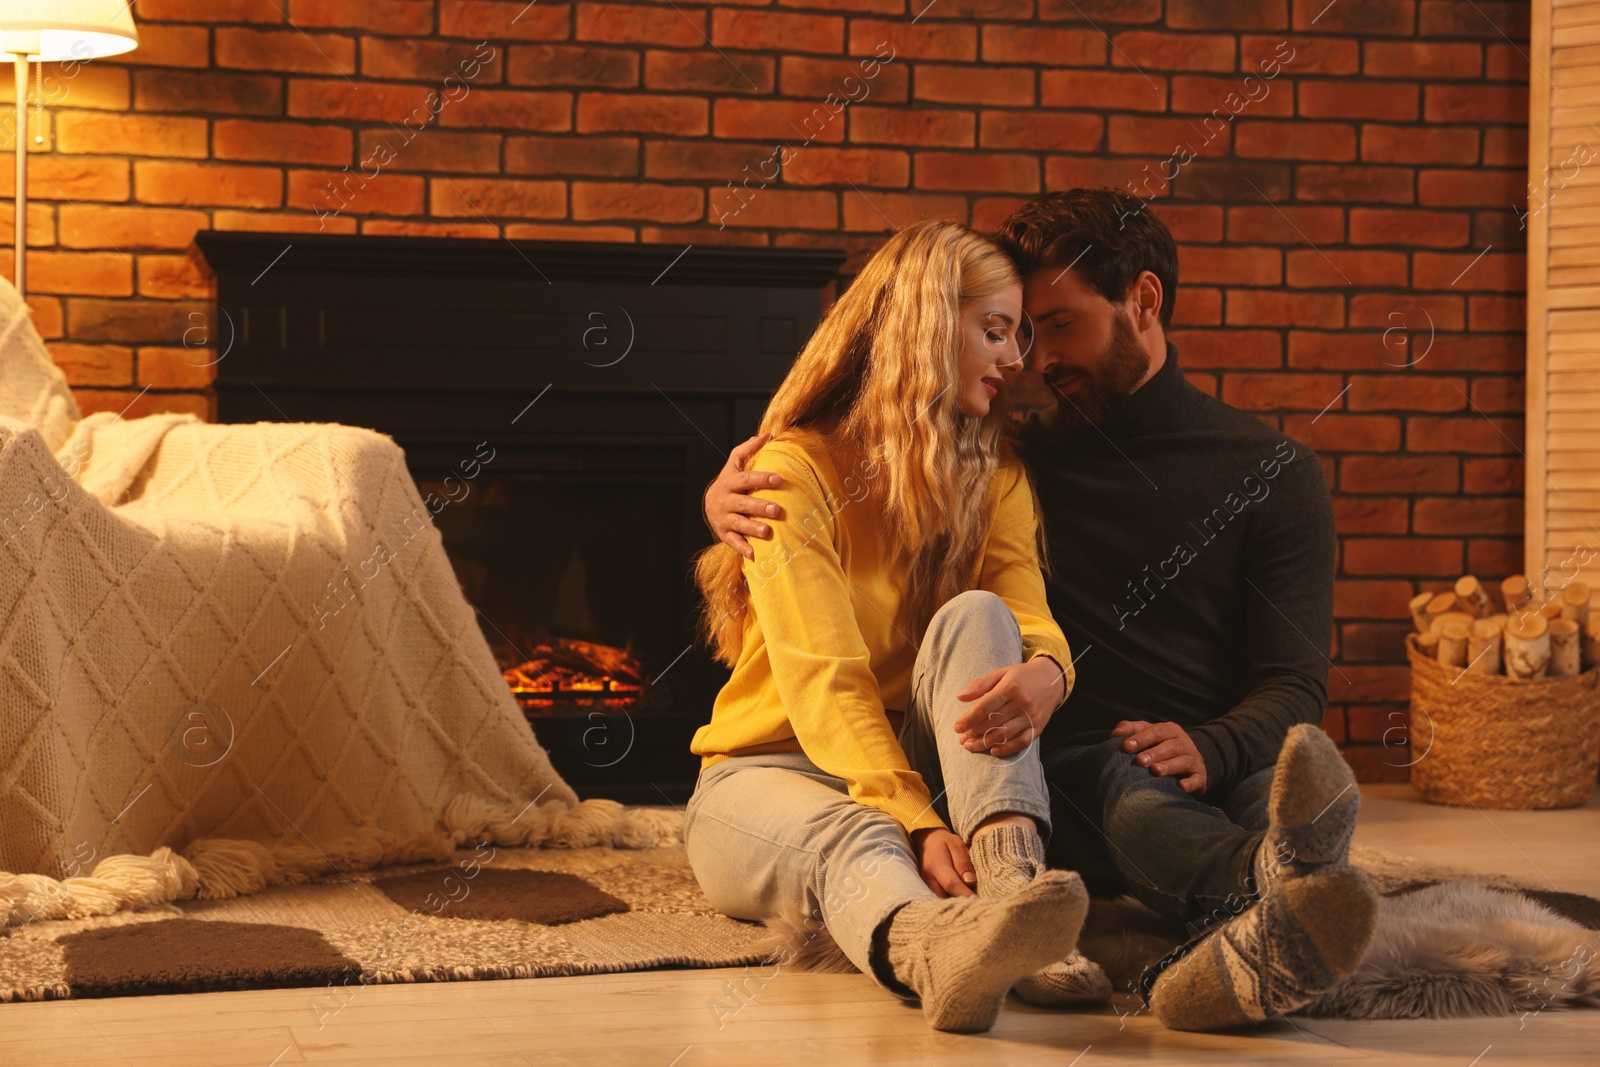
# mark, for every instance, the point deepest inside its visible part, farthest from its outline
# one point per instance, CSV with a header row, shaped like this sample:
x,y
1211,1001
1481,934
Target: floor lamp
x,y
55,31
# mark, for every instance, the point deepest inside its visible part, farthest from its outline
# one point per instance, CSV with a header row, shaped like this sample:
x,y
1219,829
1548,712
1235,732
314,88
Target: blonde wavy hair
x,y
880,375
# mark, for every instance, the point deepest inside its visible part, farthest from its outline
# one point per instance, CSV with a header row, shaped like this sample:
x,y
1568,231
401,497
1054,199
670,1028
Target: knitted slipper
x,y
1304,937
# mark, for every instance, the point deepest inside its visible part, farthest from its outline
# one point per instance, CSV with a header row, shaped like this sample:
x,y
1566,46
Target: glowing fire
x,y
568,672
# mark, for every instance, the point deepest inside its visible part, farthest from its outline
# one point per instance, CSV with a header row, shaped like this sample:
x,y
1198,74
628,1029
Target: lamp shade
x,y
55,31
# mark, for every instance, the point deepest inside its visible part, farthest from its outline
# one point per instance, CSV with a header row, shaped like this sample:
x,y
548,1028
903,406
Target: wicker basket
x,y
1489,741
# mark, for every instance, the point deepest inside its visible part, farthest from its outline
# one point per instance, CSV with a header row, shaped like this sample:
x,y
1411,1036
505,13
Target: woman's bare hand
x,y
1012,706
727,500
946,866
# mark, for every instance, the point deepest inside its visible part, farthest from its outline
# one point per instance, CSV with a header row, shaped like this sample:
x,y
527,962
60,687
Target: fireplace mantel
x,y
434,313
248,253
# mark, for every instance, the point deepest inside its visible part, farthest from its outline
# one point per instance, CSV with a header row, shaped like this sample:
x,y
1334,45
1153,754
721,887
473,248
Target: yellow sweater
x,y
826,647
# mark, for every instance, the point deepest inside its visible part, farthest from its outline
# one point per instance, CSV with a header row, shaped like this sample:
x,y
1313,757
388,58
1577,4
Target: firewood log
x,y
1527,646
1442,604
1564,649
1538,605
1516,592
1441,621
1474,600
1483,646
1499,619
1591,644
1575,604
1428,644
1453,644
1419,611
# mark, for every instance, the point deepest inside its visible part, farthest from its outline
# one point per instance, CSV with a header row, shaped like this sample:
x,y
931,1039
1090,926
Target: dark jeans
x,y
1126,830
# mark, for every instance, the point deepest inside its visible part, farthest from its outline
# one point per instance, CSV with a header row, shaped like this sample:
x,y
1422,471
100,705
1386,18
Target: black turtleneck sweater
x,y
1192,550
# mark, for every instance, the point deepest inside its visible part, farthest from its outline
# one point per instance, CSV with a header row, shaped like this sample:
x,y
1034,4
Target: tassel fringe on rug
x,y
219,868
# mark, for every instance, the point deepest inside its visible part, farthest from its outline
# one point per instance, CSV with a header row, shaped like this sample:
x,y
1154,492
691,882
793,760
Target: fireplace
x,y
561,406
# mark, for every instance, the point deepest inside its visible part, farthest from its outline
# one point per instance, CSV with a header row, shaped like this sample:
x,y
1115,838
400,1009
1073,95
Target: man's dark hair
x,y
1107,235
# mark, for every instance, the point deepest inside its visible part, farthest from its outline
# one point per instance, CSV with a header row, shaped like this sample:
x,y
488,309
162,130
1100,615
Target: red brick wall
x,y
1341,177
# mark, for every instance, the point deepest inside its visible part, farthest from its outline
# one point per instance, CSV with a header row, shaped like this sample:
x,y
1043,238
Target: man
x,y
1191,558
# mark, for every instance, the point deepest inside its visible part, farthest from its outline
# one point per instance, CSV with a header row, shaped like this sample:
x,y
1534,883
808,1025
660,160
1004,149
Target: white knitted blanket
x,y
237,655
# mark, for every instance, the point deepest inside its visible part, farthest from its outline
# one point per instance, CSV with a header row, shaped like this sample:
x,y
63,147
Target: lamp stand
x,y
20,236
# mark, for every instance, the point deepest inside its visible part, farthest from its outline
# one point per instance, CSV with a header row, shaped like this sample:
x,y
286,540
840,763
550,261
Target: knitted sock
x,y
1006,857
1074,980
960,955
1306,935
1311,812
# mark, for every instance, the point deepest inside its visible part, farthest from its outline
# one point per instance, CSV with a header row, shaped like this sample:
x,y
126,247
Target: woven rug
x,y
497,912
493,912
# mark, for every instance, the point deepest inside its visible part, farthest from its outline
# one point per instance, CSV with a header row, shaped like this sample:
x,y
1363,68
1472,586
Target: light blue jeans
x,y
773,830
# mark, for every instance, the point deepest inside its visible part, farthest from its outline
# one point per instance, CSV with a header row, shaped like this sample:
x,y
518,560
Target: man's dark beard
x,y
1106,388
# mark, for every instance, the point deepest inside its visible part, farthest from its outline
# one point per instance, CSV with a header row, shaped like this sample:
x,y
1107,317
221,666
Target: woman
x,y
892,655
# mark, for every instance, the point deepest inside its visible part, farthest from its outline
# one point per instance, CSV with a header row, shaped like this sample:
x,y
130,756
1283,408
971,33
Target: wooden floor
x,y
662,1018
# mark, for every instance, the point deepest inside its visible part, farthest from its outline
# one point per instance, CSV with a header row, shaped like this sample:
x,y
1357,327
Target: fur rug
x,y
1459,949
1449,944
